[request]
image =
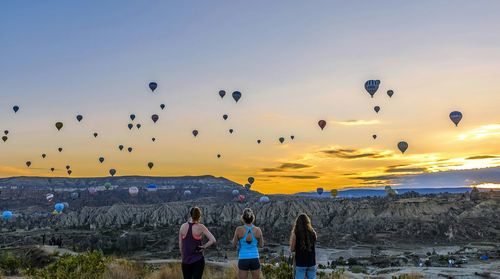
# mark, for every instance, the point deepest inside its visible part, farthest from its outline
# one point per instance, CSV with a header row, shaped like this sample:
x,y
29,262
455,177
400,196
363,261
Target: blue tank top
x,y
248,250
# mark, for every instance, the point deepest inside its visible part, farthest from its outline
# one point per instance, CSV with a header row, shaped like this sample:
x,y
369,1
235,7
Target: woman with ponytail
x,y
247,240
191,247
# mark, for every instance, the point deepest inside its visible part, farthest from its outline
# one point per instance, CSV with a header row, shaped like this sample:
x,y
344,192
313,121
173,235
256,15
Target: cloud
x,y
354,122
399,170
452,178
481,132
482,157
296,176
286,166
346,153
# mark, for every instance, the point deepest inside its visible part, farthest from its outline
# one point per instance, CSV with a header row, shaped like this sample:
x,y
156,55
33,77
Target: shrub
x,y
87,265
358,269
9,263
282,271
412,275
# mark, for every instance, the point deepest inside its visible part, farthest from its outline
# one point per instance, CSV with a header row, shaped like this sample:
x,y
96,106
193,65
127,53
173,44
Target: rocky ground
x,y
145,227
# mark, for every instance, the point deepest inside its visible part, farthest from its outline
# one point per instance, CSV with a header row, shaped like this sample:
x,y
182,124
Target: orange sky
x,y
291,74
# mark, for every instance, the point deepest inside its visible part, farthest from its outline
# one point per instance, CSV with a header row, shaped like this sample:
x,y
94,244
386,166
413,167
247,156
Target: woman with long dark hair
x,y
303,244
190,236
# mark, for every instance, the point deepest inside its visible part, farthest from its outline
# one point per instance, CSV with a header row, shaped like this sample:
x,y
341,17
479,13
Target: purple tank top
x,y
190,251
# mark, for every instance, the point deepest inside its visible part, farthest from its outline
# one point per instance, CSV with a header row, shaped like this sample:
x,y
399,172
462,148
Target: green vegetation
x,y
9,264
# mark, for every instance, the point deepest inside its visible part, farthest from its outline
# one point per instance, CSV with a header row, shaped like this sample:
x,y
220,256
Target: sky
x,y
295,62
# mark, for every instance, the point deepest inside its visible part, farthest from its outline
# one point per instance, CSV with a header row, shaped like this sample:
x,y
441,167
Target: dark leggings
x,y
194,270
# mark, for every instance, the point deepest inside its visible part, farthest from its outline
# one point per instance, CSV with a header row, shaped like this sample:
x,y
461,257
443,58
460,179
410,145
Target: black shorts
x,y
249,264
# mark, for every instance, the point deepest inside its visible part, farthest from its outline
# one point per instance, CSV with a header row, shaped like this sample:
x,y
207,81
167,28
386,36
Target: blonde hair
x,y
248,217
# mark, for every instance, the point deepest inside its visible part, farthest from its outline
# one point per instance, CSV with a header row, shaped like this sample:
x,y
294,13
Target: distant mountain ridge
x,y
364,192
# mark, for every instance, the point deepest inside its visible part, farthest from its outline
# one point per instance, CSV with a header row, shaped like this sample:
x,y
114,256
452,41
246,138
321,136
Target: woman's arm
x,y
235,239
260,239
292,242
210,236
180,239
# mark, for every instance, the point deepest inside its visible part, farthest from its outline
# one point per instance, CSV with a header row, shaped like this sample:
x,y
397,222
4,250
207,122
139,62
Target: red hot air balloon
x,y
322,124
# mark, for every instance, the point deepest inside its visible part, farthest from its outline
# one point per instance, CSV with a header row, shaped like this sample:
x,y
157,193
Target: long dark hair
x,y
305,236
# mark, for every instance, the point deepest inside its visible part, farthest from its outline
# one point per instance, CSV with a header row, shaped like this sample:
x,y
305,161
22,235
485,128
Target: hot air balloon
x,y
107,185
155,117
319,191
133,191
218,155
376,109
59,207
402,146
130,126
334,193
259,141
187,193
225,117
15,109
264,199
236,96
120,147
28,163
95,135
322,124
5,138
153,85
292,137
248,186
59,126
390,93
75,195
281,139
231,131
52,169
130,149
152,188
374,136
236,193
241,198
101,159
44,155
69,172
92,191
150,165
251,180
60,149
162,106
6,132
222,93
68,167
455,117
132,117
138,126
153,139
49,197
7,215
195,133
112,172
79,118
371,86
